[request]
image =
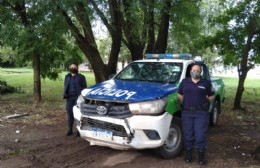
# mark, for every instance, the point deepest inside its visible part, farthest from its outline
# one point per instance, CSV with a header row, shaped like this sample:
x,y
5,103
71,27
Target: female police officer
x,y
195,93
74,83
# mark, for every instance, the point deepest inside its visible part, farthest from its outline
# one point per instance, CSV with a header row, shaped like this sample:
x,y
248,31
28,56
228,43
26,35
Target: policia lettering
x,y
112,92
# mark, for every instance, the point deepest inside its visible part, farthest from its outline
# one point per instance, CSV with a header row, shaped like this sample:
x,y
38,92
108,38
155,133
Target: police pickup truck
x,y
138,107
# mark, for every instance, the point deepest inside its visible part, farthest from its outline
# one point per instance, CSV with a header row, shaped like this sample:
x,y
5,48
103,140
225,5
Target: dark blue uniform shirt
x,y
73,85
195,94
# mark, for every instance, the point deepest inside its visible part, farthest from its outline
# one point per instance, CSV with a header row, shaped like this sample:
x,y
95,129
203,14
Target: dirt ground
x,y
38,140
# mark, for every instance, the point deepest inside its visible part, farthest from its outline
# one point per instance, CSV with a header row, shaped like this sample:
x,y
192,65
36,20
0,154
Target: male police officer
x,y
74,83
195,94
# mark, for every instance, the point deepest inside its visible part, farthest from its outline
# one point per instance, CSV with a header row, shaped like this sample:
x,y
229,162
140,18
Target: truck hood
x,y
128,91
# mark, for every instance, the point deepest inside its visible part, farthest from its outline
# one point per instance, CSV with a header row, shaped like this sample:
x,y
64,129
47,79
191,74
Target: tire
x,y
214,114
173,145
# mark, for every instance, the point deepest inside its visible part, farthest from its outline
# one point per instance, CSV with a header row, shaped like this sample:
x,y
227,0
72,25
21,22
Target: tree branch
x,y
19,9
102,16
125,42
252,32
71,26
82,16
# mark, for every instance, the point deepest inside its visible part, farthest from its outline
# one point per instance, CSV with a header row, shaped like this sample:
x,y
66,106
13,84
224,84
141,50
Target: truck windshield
x,y
161,72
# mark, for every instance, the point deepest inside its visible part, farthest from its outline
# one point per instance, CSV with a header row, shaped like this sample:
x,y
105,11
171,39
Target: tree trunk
x,y
21,11
151,34
97,64
115,30
136,51
36,78
116,34
135,39
113,58
86,42
240,89
161,42
244,68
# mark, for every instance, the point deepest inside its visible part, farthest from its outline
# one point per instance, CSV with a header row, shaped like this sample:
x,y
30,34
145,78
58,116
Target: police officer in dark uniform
x,y
74,83
195,93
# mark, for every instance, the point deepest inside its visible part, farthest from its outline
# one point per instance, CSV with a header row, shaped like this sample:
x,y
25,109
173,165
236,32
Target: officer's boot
x,y
201,157
188,155
70,127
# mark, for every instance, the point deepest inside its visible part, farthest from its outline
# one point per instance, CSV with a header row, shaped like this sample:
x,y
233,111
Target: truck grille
x,y
115,109
118,130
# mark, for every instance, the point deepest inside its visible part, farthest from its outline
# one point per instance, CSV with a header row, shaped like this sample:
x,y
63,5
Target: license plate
x,y
102,134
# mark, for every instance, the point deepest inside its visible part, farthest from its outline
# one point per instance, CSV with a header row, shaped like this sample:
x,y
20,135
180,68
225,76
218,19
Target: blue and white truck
x,y
138,108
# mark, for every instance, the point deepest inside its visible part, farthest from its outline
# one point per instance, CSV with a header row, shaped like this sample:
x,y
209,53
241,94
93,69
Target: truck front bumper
x,y
136,132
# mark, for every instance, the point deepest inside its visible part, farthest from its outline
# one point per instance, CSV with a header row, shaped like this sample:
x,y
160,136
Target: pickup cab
x,y
138,108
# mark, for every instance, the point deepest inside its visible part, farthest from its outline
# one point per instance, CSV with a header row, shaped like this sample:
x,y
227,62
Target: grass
x,y
52,105
52,93
22,78
251,92
17,152
250,102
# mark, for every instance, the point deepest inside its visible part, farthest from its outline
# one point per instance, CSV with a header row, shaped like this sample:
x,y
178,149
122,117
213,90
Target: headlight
x,y
80,100
149,107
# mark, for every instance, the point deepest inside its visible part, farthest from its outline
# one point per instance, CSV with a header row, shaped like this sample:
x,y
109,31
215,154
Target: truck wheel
x,y
214,114
173,145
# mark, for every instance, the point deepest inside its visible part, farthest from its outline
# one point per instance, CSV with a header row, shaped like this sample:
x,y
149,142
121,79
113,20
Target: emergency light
x,y
168,56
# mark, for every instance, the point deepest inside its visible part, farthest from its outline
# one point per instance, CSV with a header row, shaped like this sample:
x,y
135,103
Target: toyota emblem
x,y
102,110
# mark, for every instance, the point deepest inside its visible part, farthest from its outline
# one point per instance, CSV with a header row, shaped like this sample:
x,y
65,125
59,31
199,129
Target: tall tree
x,y
114,27
161,41
134,27
135,23
238,39
159,44
18,9
81,29
173,26
186,27
28,26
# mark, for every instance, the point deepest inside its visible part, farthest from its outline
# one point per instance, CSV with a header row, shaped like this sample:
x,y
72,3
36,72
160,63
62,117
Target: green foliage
x,y
17,152
42,31
234,26
134,13
252,89
4,88
52,90
210,9
7,56
211,58
186,27
104,47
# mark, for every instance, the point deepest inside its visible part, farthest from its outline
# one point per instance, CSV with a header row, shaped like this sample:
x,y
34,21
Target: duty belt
x,y
205,107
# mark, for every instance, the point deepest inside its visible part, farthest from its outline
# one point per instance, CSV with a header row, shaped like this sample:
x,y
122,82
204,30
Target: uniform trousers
x,y
70,102
195,125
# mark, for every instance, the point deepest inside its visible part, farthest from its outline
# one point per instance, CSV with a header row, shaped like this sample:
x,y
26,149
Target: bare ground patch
x,y
41,142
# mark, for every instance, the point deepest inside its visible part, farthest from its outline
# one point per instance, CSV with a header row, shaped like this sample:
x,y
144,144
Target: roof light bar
x,y
168,56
